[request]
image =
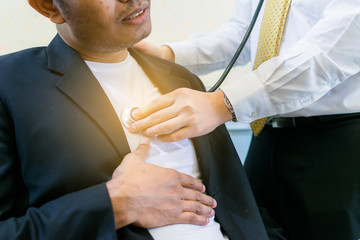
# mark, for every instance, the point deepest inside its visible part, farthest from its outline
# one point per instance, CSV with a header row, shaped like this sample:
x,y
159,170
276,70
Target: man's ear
x,y
48,9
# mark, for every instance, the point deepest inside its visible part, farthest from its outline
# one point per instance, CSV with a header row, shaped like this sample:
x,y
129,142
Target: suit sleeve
x,y
85,214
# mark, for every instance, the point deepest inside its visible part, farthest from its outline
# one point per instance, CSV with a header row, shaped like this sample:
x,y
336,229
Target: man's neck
x,y
93,54
108,57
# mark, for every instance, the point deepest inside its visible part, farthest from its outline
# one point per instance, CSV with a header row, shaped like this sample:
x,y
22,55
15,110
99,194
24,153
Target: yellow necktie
x,y
271,30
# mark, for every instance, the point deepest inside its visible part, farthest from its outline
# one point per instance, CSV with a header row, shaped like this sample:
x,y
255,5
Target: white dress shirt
x,y
317,71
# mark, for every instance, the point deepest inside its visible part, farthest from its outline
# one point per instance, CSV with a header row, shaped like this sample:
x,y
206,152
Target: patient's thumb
x,y
142,150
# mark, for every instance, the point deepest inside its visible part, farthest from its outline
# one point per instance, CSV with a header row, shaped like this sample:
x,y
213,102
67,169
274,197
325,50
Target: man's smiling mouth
x,y
135,15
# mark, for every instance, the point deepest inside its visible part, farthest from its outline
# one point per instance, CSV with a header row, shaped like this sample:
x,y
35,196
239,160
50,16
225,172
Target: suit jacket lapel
x,y
79,84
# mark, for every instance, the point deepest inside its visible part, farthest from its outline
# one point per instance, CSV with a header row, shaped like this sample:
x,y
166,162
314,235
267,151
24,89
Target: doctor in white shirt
x,y
304,167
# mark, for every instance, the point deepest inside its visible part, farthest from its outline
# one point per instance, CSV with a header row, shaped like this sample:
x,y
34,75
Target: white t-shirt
x,y
127,86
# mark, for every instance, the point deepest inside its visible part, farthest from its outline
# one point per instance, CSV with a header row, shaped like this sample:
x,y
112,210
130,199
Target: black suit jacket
x,y
60,141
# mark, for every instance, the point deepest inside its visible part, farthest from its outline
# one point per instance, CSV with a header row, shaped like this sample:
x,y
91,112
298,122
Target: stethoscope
x,y
240,48
127,119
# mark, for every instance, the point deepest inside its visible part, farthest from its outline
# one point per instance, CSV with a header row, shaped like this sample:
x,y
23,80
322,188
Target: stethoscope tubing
x,y
240,48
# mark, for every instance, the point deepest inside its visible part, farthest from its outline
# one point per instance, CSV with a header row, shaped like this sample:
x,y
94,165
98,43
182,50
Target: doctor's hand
x,y
148,48
149,196
183,113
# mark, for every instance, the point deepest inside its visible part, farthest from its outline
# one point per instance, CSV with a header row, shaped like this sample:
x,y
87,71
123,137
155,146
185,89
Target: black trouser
x,y
308,178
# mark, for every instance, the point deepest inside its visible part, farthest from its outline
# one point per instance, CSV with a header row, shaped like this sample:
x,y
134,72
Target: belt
x,y
292,122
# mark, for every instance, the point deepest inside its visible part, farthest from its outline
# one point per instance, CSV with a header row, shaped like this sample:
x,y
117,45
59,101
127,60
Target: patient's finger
x,y
195,196
198,208
192,218
188,181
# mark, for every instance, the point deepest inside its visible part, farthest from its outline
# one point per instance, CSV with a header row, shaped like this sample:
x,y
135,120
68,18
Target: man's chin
x,y
143,36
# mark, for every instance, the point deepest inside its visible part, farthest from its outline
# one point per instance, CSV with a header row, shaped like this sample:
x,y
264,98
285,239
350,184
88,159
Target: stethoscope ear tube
x,y
240,48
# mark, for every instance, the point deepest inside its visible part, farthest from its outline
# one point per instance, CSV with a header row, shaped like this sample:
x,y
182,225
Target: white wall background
x,y
22,27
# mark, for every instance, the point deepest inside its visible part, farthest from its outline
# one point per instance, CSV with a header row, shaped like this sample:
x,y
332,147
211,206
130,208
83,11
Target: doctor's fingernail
x,y
136,113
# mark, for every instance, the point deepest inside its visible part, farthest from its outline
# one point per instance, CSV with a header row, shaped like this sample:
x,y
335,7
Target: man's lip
x,y
136,11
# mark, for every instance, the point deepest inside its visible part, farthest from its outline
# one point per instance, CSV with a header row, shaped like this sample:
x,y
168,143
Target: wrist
x,y
120,205
230,108
222,110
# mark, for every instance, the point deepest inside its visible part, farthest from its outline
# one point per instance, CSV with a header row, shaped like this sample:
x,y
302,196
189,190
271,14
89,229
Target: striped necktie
x,y
271,30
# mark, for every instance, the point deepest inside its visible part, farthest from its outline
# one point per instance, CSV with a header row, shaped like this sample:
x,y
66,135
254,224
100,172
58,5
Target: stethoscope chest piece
x,y
126,118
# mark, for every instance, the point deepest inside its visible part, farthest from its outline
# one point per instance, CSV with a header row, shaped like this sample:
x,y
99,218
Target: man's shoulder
x,y
20,58
19,67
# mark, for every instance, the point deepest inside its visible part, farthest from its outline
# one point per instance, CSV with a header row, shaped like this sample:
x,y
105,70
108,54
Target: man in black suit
x,y
66,171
